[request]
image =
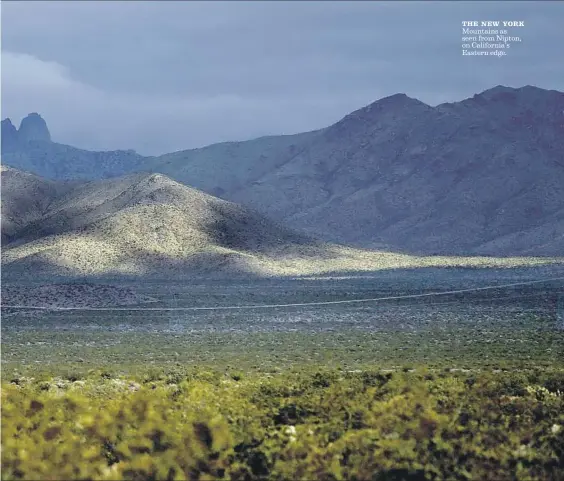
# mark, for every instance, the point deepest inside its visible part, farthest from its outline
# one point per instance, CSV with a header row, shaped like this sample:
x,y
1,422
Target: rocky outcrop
x,y
34,128
9,135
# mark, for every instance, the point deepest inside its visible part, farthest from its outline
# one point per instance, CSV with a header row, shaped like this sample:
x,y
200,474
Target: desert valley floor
x,y
170,327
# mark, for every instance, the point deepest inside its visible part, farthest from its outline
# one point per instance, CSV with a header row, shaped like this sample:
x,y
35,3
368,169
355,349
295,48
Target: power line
x,y
298,304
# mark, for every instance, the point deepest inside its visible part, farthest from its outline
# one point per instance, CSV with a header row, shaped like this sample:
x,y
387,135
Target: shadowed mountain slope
x,y
483,176
26,198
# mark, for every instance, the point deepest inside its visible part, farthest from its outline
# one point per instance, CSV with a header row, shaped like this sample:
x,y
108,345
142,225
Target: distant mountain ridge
x,y
481,176
30,148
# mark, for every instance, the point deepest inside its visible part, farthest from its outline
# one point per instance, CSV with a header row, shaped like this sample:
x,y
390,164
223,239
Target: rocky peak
x,y
9,134
525,104
8,128
32,128
496,91
390,105
383,112
397,100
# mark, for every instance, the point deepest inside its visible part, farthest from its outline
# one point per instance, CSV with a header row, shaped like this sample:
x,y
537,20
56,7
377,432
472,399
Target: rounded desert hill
x,y
141,223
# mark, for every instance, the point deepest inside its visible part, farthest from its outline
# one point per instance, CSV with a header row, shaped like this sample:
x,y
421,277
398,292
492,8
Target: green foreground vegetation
x,y
172,424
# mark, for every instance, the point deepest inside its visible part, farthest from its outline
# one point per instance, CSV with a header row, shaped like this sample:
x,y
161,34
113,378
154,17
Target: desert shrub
x,y
236,375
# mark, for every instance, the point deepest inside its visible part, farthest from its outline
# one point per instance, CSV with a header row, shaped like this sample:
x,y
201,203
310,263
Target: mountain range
x,y
484,176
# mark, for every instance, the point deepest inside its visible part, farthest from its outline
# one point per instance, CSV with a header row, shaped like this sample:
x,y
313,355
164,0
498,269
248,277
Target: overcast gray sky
x,y
164,76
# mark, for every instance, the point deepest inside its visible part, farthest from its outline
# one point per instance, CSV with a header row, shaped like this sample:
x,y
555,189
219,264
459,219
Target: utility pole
x,y
173,316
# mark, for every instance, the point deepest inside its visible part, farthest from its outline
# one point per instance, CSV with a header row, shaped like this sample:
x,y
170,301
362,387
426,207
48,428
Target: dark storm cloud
x,y
162,76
